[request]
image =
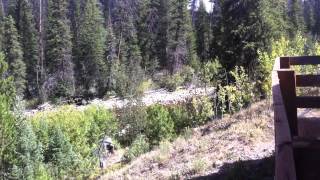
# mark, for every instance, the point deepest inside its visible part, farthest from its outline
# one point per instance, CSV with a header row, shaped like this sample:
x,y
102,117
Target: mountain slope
x,y
212,151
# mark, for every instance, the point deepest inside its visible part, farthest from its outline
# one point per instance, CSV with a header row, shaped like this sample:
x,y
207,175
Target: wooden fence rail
x,y
296,155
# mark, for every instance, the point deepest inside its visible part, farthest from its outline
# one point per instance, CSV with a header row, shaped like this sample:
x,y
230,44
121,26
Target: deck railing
x,y
286,102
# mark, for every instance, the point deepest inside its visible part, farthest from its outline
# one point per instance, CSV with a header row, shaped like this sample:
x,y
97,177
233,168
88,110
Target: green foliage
x,y
184,76
90,62
212,73
14,55
28,37
132,120
60,78
7,135
202,31
60,154
159,125
200,110
172,82
281,47
187,73
139,146
28,152
78,133
180,115
180,46
232,98
7,121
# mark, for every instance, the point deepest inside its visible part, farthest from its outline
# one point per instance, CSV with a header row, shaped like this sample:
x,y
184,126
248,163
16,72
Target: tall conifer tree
x,y
180,43
91,63
295,17
60,77
14,55
28,38
202,28
130,73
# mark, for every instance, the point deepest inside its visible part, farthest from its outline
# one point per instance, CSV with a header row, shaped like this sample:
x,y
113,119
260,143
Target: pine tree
x,y
28,38
295,18
146,27
28,151
243,30
60,77
202,32
130,74
179,36
7,121
14,55
91,63
111,59
156,27
60,153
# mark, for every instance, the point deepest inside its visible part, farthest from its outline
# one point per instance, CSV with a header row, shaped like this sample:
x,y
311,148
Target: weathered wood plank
x,y
308,80
284,160
284,62
288,91
304,60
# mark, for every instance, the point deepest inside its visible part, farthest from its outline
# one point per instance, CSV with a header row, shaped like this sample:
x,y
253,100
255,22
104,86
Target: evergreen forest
x,y
57,50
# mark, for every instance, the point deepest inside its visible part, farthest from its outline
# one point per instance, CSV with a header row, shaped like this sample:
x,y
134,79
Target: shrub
x,y
103,122
159,125
164,152
187,74
199,165
172,82
212,73
81,131
139,146
233,95
180,117
132,119
200,110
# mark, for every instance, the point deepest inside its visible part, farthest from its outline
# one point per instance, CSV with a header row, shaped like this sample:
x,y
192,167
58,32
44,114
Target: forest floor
x,y
240,146
159,96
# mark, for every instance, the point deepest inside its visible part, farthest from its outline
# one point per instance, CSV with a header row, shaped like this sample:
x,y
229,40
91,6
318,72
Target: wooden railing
x,y
291,146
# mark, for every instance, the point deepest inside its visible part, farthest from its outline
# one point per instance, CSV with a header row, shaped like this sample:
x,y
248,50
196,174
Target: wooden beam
x,y
308,102
284,63
284,159
288,90
304,60
308,80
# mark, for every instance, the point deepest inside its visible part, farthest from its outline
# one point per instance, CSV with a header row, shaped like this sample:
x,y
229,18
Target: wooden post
x,y
284,62
288,90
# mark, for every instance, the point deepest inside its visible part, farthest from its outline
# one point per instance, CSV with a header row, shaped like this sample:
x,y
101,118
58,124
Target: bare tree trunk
x,y
40,63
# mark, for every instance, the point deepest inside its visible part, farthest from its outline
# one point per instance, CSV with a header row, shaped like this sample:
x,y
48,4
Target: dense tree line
x,y
61,48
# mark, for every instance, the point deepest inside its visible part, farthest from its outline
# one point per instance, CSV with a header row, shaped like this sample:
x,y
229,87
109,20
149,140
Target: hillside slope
x,y
240,146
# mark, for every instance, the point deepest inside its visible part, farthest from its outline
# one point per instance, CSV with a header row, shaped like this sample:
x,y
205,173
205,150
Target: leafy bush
x,y
139,146
233,95
200,110
79,131
212,73
187,73
132,121
280,47
180,117
159,125
172,82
